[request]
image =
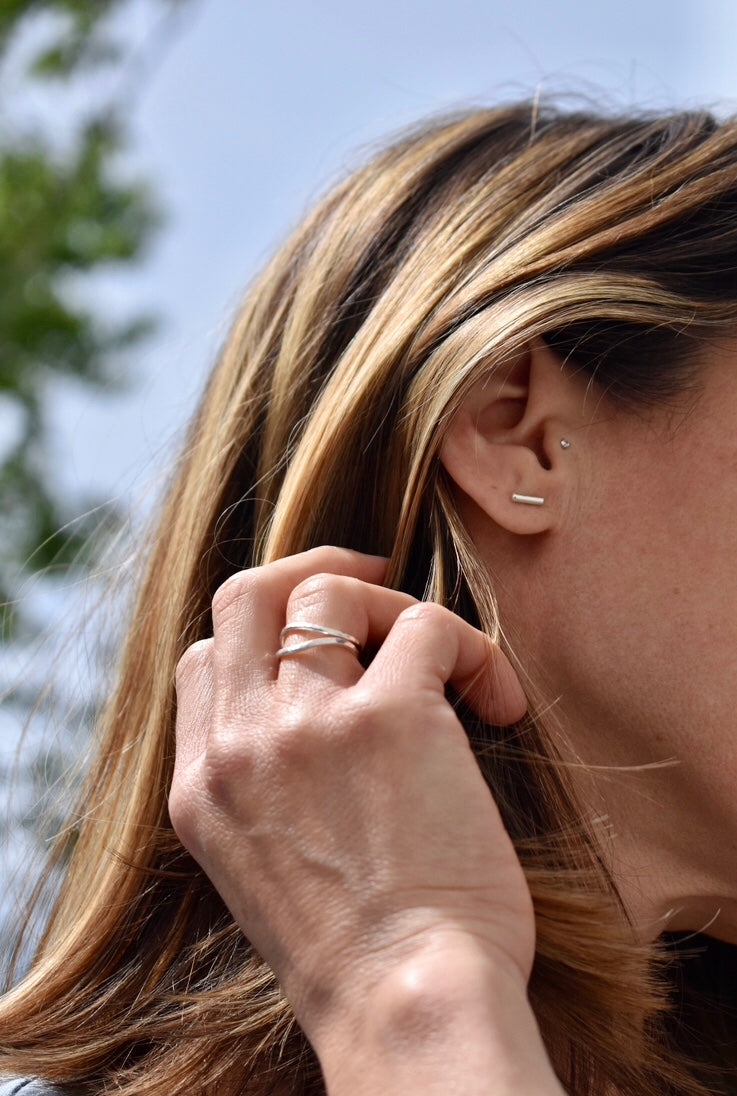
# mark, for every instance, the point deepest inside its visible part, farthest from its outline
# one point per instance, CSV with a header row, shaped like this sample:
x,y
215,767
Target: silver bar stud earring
x,y
531,500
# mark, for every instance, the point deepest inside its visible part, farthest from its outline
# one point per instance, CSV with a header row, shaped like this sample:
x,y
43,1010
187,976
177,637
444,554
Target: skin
x,y
620,596
408,936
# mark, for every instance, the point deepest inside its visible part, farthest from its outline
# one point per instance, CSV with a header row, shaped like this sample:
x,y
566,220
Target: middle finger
x,y
248,611
359,609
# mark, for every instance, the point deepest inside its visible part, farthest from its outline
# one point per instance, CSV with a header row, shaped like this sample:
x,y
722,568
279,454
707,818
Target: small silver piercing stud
x,y
564,443
531,500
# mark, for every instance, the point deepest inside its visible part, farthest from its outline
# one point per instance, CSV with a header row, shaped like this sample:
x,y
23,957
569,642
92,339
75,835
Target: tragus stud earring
x,y
531,500
564,443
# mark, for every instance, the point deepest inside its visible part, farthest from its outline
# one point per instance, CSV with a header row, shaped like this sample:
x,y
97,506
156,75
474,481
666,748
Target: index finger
x,y
249,609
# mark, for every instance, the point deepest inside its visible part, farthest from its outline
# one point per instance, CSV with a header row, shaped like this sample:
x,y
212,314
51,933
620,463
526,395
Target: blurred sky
x,y
247,113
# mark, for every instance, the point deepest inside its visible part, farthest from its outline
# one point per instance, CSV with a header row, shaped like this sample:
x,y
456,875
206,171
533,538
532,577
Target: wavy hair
x,y
615,239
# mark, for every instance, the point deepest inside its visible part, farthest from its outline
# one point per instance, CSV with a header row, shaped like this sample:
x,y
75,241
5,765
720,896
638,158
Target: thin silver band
x,y
319,629
328,637
531,500
322,641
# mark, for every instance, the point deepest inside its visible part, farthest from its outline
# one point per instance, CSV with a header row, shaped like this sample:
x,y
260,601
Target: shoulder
x,y
29,1086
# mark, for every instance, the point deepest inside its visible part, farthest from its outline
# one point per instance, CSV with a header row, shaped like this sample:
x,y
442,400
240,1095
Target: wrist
x,y
451,1015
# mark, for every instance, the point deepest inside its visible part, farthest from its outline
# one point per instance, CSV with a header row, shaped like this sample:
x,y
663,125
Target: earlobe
x,y
504,447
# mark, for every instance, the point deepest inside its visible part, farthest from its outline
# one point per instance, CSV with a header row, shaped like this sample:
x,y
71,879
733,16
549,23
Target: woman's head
x,y
488,285
449,254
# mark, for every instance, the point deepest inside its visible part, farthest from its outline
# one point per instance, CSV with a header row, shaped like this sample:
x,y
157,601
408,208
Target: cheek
x,y
649,603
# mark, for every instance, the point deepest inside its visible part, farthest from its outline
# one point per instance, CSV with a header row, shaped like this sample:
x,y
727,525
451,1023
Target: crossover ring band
x,y
320,629
323,641
326,637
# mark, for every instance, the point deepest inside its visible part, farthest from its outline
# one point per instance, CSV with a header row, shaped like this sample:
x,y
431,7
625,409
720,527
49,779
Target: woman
x,y
494,371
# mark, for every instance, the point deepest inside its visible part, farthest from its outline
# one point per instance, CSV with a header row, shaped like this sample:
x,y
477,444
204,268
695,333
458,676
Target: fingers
x,y
361,609
429,646
249,609
421,645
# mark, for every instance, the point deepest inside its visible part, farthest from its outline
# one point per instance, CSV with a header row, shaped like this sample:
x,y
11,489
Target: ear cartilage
x,y
531,500
564,443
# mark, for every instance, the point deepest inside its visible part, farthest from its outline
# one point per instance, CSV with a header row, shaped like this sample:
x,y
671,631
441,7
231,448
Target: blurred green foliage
x,y
64,214
79,43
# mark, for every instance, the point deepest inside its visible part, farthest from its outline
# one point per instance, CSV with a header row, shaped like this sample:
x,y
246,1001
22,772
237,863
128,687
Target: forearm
x,y
442,1024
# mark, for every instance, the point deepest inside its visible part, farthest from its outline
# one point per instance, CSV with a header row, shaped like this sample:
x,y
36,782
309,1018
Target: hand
x,y
340,811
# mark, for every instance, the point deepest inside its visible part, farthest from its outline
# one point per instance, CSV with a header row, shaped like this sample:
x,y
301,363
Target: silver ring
x,y
322,641
320,629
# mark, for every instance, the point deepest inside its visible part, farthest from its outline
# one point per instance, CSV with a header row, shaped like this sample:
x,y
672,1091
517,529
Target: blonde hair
x,y
613,238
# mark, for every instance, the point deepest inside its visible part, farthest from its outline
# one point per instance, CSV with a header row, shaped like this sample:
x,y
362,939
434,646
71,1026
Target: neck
x,y
669,845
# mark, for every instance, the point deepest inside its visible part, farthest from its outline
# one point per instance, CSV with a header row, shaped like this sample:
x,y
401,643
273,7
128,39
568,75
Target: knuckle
x,y
295,724
195,659
366,709
227,771
329,555
302,733
315,589
183,813
425,612
232,591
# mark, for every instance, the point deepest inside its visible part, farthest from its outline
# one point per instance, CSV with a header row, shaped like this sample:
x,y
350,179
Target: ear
x,y
505,440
